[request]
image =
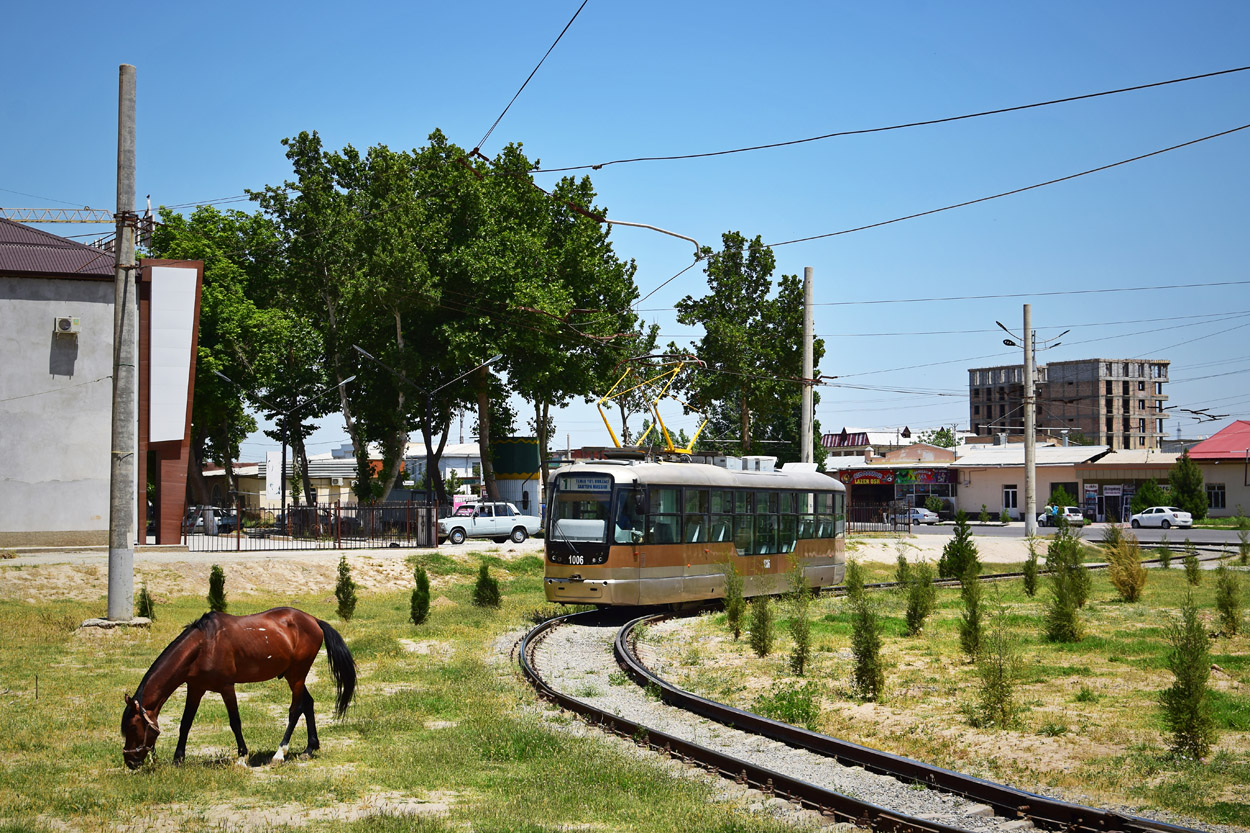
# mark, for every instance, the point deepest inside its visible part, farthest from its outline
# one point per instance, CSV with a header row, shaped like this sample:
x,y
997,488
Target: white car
x,y
920,515
1071,514
1165,517
499,521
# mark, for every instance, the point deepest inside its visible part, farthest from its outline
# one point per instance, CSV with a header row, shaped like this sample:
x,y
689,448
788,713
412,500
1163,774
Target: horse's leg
x,y
188,714
236,725
310,722
297,708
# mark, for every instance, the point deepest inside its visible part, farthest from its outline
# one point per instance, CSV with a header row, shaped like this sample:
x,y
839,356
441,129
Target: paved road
x,y
1091,532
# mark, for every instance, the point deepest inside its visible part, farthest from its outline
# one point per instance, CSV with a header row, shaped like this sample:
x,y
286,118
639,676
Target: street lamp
x,y
286,425
429,394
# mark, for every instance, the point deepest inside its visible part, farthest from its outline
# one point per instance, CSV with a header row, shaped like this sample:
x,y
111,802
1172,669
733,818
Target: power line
x,y
791,142
1052,293
477,148
1011,192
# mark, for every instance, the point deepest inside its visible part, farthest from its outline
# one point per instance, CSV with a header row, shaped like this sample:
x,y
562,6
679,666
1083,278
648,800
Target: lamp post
x,y
429,394
286,425
1029,343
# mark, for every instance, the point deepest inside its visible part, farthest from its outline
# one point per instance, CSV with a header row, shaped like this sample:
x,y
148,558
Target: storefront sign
x,y
1112,491
867,478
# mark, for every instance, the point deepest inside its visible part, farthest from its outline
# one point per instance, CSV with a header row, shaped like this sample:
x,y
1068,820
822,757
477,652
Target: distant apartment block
x,y
1113,402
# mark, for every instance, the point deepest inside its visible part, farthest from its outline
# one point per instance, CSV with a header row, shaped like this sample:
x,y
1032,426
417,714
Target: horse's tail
x,y
342,666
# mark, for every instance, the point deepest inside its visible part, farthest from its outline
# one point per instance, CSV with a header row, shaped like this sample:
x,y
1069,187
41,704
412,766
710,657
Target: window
x,y
664,516
1158,426
976,393
1009,496
1124,388
1110,405
1141,385
976,410
1216,499
1109,389
696,525
1141,404
1158,389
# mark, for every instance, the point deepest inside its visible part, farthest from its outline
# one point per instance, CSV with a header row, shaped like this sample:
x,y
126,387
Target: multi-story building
x,y
1112,402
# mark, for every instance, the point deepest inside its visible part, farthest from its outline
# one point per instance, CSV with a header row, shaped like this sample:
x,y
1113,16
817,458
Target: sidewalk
x,y
1008,550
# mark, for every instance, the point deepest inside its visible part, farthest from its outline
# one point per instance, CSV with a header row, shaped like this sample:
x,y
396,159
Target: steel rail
x,y
1007,801
840,807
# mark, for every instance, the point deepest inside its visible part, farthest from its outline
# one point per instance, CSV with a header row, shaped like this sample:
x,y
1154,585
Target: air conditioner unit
x,y
66,325
336,481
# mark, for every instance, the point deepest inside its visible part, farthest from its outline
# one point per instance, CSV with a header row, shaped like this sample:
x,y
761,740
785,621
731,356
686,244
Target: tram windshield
x,y
580,508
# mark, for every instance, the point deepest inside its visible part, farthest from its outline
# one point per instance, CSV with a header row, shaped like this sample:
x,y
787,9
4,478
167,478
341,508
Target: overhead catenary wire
x,y
903,126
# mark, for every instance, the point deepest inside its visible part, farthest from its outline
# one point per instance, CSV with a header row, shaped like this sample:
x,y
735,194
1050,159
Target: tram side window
x,y
839,508
665,516
722,506
807,515
696,522
765,534
787,533
825,519
744,531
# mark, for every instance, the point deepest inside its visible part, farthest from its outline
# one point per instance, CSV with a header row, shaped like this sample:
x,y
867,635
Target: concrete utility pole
x,y
807,451
123,495
1030,430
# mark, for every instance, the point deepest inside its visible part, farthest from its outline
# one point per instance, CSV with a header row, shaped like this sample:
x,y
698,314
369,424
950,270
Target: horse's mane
x,y
206,624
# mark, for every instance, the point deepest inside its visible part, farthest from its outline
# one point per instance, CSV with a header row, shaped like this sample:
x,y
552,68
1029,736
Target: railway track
x,y
816,771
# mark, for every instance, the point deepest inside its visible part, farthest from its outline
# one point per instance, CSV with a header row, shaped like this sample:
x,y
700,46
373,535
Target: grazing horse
x,y
218,650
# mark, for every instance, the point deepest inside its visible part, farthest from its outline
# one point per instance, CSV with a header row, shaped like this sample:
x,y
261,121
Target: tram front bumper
x,y
579,591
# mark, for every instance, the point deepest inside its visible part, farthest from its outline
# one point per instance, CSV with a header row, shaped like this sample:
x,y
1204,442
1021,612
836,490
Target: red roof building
x,y
1231,443
1224,459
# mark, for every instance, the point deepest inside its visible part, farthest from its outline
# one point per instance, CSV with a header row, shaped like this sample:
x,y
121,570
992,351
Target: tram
x,y
663,533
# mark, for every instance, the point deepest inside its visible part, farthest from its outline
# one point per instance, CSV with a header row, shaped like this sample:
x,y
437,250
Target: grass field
x,y
1089,724
443,734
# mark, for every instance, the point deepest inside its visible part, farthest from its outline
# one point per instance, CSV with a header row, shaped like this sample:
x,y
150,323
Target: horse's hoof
x,y
242,761
280,755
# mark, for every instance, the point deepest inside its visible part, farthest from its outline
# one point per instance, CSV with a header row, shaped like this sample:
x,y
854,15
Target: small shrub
x,y
796,705
984,517
1125,569
1187,703
1030,569
419,605
1063,561
868,673
1165,552
970,620
217,589
854,580
933,503
1243,536
762,626
145,606
799,623
486,589
1193,569
345,591
959,552
1004,517
1053,729
902,567
1086,695
921,597
998,668
1112,534
735,603
1228,600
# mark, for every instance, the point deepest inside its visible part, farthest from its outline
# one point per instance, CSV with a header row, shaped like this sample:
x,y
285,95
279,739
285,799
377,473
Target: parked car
x,y
193,521
499,521
920,515
1071,514
1164,517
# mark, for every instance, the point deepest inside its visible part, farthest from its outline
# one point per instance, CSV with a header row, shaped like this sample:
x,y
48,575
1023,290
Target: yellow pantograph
x,y
631,380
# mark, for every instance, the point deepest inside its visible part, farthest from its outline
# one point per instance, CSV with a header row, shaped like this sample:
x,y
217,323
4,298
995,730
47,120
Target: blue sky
x,y
220,85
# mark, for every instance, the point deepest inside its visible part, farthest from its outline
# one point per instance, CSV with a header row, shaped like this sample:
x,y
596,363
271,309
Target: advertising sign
x,y
587,483
867,478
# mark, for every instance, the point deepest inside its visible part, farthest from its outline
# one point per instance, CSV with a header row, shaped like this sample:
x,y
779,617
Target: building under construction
x,y
1113,402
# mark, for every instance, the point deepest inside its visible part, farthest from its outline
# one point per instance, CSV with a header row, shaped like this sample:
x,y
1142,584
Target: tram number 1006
x,y
576,559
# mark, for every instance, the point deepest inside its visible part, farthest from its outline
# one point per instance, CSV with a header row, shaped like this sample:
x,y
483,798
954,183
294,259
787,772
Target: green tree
x,y
1125,568
970,625
1187,703
941,437
735,603
1148,494
984,517
868,669
1193,569
419,604
960,551
752,346
1243,536
853,580
217,589
762,627
799,623
145,607
1227,600
921,597
1030,569
1059,497
1188,491
998,667
345,591
486,589
1063,561
933,503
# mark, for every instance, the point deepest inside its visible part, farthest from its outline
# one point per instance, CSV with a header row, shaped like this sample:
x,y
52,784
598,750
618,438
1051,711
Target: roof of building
x,y
1228,443
850,437
26,251
999,456
417,450
1137,457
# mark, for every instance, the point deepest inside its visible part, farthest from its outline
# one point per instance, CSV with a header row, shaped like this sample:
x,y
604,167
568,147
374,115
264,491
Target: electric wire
x,y
791,142
1011,192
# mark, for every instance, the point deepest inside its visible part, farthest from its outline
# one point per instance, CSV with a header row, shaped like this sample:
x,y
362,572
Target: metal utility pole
x,y
1030,430
123,494
807,452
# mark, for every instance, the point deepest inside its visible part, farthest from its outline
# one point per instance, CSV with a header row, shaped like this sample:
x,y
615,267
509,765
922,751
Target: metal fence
x,y
885,517
324,526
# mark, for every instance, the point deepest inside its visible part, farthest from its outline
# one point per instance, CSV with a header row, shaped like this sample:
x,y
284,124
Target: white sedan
x,y
499,521
1165,517
920,515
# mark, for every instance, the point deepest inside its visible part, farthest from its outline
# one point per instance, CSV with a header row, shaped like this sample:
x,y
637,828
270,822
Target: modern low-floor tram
x,y
660,533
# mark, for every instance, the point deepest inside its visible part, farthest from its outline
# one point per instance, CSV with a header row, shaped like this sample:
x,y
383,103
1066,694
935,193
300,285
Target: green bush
x,y
998,669
1228,600
735,603
1030,569
902,567
1063,561
345,591
1193,568
984,517
1165,552
921,596
486,589
800,625
1243,536
970,620
1188,491
1187,703
419,606
145,606
1004,517
1059,497
1112,535
217,589
1148,494
762,626
796,705
959,552
868,672
853,581
933,503
1125,569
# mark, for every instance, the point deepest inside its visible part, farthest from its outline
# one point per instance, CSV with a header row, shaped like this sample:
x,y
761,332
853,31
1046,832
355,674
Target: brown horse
x,y
218,650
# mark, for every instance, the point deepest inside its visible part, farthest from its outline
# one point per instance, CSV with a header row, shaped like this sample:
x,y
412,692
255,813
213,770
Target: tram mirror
x,y
640,504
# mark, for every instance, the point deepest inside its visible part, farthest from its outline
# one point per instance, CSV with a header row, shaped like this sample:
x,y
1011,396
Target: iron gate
x,y
330,526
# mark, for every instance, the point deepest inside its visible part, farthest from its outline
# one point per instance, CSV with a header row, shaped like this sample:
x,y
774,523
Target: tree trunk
x,y
301,459
542,412
746,426
483,430
195,472
432,457
399,440
620,404
228,464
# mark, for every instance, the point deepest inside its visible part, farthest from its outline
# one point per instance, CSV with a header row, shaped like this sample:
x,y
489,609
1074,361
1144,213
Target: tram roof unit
x,y
790,476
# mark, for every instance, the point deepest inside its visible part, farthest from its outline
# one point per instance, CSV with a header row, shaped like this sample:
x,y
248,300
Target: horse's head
x,y
139,730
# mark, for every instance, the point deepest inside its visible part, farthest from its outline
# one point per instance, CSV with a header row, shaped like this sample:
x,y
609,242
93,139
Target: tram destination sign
x,y
588,483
